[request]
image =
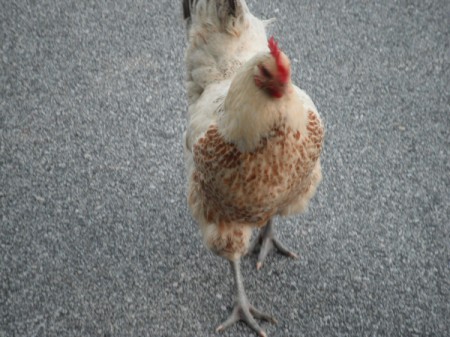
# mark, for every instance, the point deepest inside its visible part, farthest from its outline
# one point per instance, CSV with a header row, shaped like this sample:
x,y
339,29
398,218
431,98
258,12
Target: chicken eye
x,y
265,72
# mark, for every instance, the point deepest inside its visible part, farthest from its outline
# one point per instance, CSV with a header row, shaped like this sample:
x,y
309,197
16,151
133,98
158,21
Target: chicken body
x,y
253,140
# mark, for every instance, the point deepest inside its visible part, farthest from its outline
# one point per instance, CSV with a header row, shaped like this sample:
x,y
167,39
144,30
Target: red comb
x,y
273,46
276,53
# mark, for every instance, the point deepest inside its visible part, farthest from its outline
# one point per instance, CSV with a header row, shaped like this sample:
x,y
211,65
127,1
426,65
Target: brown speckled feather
x,y
251,187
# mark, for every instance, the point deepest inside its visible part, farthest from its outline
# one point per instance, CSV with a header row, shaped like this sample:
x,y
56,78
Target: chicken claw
x,y
246,313
267,241
243,310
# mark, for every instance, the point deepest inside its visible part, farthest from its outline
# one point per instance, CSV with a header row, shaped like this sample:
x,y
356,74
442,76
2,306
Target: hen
x,y
253,139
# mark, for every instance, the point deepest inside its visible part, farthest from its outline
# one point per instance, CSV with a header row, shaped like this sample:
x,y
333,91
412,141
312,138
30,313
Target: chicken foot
x,y
243,310
267,241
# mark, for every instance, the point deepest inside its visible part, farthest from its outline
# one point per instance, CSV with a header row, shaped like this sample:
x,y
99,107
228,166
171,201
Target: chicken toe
x,y
243,310
267,241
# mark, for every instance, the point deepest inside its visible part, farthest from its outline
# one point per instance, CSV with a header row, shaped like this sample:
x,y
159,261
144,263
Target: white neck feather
x,y
249,113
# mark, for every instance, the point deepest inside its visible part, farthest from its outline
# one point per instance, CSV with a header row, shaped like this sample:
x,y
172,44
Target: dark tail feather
x,y
187,5
231,7
226,9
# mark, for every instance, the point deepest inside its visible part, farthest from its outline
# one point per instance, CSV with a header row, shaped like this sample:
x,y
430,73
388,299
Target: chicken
x,y
253,139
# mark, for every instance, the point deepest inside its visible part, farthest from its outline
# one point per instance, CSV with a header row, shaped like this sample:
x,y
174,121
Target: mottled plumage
x,y
251,187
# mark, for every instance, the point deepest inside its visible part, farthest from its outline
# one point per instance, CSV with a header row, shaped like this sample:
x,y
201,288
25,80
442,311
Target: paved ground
x,y
95,236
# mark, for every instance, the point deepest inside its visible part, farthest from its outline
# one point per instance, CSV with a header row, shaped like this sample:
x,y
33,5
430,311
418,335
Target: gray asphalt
x,y
96,238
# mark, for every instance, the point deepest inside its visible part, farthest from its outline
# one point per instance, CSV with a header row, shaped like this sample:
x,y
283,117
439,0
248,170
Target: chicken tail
x,y
223,14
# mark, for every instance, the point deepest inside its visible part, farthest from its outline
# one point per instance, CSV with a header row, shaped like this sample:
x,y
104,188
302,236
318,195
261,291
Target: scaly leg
x,y
268,241
243,310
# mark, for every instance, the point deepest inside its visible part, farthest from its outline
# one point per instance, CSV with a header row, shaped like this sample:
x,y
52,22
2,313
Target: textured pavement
x,y
96,238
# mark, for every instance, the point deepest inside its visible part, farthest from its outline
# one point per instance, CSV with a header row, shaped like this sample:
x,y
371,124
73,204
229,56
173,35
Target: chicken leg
x,y
267,241
243,310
